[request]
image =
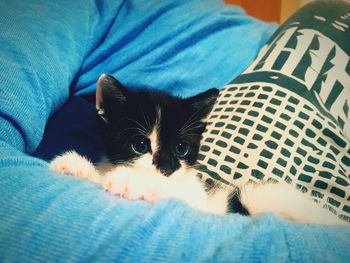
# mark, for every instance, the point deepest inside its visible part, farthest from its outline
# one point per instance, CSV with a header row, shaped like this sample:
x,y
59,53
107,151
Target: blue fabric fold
x,y
52,53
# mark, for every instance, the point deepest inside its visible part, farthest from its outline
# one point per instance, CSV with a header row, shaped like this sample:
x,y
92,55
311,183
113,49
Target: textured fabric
x,y
51,51
286,118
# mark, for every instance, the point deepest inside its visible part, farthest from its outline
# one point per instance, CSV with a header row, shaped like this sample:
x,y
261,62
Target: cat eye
x,y
141,146
182,149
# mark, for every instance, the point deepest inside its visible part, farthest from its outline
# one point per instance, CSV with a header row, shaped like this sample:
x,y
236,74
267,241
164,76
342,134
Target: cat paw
x,y
131,186
73,164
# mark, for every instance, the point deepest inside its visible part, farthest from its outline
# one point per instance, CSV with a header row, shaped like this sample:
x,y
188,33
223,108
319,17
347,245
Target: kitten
x,y
152,141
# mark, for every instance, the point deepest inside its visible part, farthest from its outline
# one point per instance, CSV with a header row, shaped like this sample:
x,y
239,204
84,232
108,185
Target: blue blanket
x,y
51,56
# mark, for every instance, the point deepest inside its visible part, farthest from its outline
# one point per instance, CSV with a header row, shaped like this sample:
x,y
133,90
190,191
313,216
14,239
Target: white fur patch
x,y
287,202
154,135
144,163
218,201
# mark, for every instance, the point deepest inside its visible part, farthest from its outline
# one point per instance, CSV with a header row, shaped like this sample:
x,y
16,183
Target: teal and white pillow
x,y
286,118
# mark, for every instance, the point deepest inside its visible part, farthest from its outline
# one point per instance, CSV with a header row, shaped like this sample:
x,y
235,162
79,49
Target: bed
x,y
51,57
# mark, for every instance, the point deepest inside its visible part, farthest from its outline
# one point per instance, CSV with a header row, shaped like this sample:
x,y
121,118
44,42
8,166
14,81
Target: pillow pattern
x,y
286,118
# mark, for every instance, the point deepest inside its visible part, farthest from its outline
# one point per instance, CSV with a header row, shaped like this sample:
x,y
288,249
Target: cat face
x,y
149,129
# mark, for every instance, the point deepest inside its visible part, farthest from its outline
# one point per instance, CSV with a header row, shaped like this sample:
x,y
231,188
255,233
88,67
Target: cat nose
x,y
166,171
165,165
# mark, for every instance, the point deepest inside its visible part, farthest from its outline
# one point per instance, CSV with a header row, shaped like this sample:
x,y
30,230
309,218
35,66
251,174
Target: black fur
x,y
235,204
130,116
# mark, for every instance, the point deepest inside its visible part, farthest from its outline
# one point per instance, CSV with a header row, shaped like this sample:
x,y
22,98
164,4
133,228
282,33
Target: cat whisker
x,y
189,125
141,132
141,127
189,129
136,122
146,119
189,134
189,120
192,127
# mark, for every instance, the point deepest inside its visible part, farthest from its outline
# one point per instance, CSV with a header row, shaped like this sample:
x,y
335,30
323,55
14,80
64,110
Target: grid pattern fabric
x,y
287,118
258,132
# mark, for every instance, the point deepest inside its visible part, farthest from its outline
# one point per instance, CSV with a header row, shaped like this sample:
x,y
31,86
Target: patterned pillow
x,y
286,118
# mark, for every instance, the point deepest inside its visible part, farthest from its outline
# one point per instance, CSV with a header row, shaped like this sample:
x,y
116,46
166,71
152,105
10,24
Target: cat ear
x,y
109,91
204,102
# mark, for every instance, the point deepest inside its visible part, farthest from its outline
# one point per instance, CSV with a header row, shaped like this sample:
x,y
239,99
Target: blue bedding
x,y
51,56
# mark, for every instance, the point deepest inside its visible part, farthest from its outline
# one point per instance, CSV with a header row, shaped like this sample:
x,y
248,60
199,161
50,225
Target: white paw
x,y
124,183
73,164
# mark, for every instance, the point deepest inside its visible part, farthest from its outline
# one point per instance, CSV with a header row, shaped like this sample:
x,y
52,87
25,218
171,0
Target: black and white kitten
x,y
152,141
